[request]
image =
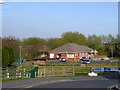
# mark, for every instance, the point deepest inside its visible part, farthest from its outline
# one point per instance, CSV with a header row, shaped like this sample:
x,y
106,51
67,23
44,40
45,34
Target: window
x,y
51,55
70,55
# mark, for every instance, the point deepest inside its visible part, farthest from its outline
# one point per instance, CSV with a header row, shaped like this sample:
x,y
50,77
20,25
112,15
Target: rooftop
x,y
71,47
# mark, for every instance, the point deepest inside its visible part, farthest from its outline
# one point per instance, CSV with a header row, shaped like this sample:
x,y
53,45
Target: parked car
x,y
39,61
86,61
105,58
62,59
83,58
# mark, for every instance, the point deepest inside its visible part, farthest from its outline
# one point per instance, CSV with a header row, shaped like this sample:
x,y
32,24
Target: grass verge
x,y
15,79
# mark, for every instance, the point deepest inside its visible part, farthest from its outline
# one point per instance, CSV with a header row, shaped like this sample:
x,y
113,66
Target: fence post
x,y
63,71
16,75
26,75
57,71
41,74
73,71
38,73
19,75
8,75
29,75
44,71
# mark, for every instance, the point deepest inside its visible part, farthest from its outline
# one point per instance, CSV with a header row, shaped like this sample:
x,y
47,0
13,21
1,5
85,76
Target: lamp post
x,y
20,54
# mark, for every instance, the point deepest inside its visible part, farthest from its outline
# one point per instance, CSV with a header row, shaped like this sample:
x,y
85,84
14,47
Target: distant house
x,y
70,51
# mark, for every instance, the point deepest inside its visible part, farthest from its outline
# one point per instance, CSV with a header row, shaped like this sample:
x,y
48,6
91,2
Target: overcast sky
x,y
48,20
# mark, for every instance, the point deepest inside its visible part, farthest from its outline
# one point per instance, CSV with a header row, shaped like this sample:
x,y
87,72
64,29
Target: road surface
x,y
64,82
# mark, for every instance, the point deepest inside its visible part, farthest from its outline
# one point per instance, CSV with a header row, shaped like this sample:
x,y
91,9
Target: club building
x,y
71,51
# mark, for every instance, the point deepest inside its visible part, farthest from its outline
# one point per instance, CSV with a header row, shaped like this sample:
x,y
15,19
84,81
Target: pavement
x,y
63,82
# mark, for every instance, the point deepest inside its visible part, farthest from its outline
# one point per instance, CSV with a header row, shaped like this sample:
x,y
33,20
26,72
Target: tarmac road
x,y
64,82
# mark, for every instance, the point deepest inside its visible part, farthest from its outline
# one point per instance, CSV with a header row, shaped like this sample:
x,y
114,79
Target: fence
x,y
34,73
55,72
20,74
64,71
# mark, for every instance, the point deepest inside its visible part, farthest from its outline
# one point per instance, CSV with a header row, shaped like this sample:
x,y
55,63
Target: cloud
x,y
1,1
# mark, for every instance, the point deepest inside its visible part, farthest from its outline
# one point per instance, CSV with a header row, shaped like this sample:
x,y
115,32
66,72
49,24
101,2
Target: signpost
x,y
106,69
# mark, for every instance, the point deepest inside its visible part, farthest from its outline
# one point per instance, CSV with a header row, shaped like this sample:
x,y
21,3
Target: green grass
x,y
15,79
0,79
102,65
108,74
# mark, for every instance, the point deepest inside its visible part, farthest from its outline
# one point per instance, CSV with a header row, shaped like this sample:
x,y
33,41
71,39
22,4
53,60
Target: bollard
x,y
8,75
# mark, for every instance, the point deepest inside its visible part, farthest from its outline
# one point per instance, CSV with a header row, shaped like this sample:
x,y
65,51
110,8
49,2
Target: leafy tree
x,y
5,57
12,43
55,42
74,37
96,43
33,45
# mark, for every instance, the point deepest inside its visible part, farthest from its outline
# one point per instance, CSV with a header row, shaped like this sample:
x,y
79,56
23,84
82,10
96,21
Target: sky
x,y
50,19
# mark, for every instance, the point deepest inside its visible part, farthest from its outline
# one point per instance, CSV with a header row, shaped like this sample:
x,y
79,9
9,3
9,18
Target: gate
x,y
34,73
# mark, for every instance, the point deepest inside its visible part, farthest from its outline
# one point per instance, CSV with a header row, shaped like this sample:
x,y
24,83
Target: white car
x,y
85,61
92,74
62,59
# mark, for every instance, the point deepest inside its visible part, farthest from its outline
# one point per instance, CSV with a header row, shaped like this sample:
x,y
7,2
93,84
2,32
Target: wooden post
x,y
24,70
19,75
16,75
8,75
57,71
63,71
73,71
41,74
44,71
38,73
53,71
29,75
26,75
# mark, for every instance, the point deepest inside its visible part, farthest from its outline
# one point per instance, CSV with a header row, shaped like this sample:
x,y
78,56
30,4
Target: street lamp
x,y
20,54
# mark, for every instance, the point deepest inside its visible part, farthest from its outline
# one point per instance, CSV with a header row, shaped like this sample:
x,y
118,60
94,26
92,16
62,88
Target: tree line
x,y
33,46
